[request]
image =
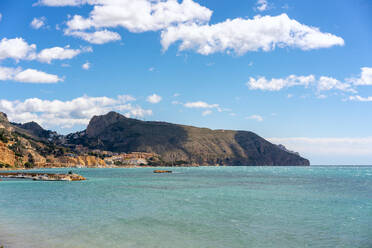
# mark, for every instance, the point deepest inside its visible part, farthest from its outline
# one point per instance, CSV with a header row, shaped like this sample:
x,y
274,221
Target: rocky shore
x,y
42,176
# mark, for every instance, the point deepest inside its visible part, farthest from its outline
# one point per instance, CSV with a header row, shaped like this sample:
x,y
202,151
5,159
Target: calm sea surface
x,y
194,207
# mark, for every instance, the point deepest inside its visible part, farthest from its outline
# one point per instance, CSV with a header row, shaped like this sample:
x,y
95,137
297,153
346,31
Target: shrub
x,y
4,139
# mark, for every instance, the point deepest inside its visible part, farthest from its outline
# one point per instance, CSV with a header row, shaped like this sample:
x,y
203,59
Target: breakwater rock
x,y
43,176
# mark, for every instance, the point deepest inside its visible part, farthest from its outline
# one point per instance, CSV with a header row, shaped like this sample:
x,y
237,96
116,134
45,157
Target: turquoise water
x,y
194,207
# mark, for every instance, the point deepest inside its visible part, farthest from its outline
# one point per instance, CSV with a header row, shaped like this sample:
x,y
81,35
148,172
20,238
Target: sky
x,y
298,73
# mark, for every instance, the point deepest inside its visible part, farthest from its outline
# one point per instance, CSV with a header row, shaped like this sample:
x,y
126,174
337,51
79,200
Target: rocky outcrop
x,y
43,176
4,123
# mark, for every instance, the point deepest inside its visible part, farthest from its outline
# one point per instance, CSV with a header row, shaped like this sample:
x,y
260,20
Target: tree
x,y
31,161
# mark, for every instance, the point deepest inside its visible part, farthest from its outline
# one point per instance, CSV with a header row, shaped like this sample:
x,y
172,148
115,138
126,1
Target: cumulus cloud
x,y
154,99
27,76
67,114
276,84
244,35
203,105
38,22
188,22
322,84
35,76
62,3
86,66
97,37
140,15
258,118
365,77
262,5
17,49
200,104
328,83
58,53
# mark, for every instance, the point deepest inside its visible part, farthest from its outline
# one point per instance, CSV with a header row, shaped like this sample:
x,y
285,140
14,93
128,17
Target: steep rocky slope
x,y
175,143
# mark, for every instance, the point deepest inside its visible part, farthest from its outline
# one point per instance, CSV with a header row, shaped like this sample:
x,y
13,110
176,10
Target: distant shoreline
x,y
190,166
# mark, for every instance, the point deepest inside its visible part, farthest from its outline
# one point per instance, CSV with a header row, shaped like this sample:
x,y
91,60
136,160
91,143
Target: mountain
x,y
35,129
30,146
180,144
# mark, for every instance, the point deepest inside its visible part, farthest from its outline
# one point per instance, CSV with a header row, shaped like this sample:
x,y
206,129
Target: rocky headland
x,y
112,140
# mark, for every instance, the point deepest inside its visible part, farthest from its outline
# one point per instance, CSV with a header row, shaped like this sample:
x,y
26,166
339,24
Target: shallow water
x,y
194,207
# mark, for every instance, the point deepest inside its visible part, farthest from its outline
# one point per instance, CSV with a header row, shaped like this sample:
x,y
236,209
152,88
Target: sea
x,y
214,207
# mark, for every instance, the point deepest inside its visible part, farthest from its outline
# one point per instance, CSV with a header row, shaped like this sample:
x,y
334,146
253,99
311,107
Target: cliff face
x,y
85,161
114,132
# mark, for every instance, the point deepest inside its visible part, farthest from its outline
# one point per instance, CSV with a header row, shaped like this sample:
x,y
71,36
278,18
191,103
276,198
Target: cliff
x,y
175,143
83,161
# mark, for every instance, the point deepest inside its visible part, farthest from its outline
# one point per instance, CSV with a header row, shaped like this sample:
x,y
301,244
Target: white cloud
x,y
61,3
204,105
360,98
200,104
154,99
328,83
17,49
97,37
187,22
245,35
57,53
140,15
35,76
38,22
207,112
327,146
27,76
276,84
255,117
262,5
365,77
86,66
66,114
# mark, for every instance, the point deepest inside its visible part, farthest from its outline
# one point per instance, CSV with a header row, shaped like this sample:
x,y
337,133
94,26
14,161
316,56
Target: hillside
x,y
179,144
30,146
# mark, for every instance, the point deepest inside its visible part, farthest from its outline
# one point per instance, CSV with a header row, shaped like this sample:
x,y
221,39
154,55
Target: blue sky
x,y
296,72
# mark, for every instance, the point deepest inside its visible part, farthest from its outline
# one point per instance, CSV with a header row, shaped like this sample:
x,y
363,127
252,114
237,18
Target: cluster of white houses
x,y
134,158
